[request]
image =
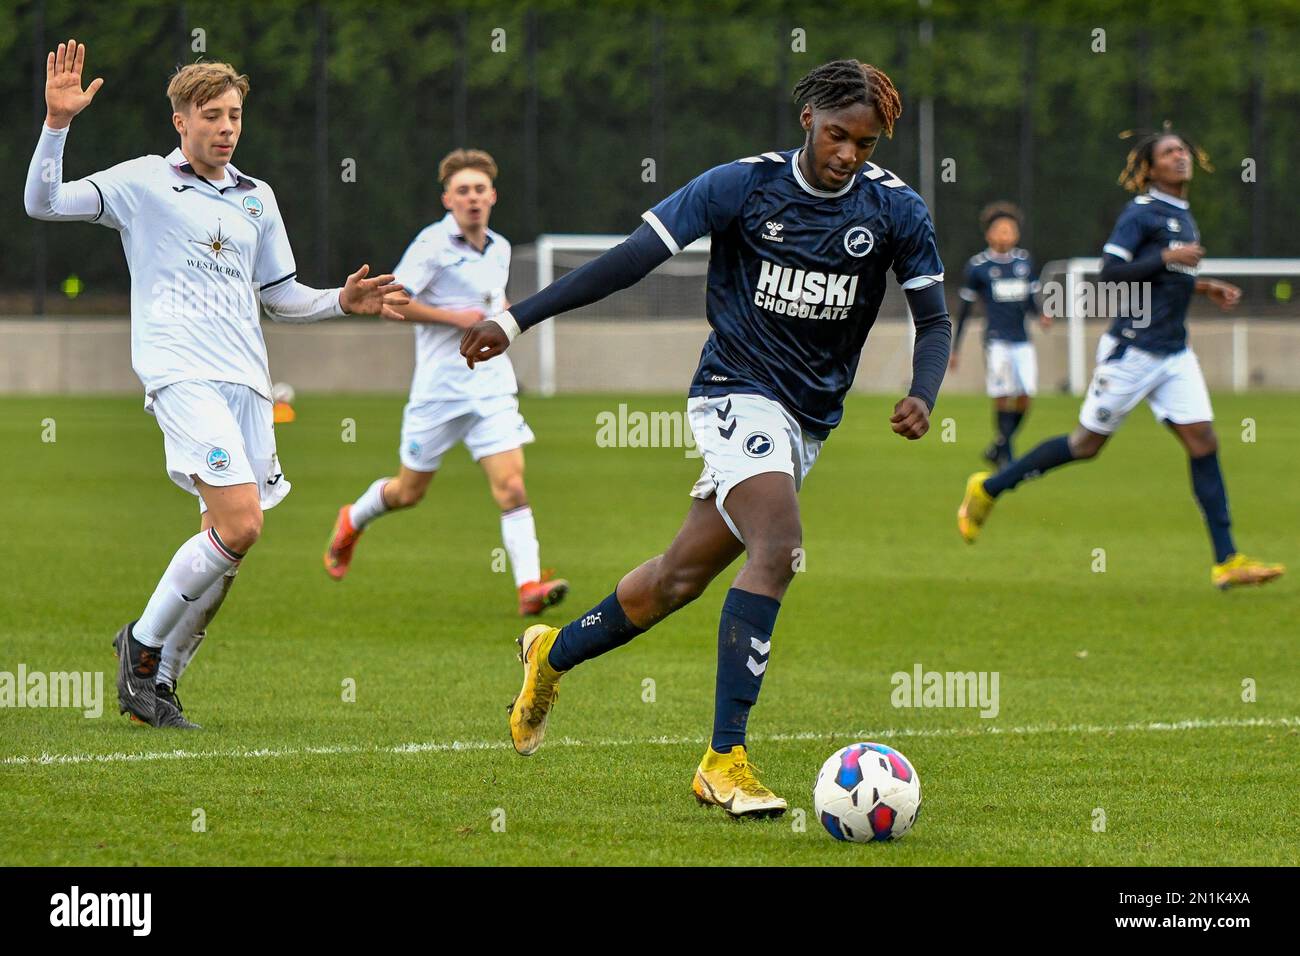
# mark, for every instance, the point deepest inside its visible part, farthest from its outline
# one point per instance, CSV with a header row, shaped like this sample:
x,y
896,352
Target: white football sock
x,y
184,640
519,533
370,505
200,563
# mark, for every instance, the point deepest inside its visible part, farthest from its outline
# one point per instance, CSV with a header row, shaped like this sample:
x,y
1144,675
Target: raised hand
x,y
482,341
377,296
64,97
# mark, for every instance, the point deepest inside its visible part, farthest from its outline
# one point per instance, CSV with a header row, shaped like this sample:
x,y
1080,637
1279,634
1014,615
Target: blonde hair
x,y
459,159
198,83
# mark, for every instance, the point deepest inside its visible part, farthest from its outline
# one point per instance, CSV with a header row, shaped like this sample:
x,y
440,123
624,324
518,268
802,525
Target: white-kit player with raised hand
x,y
455,270
207,251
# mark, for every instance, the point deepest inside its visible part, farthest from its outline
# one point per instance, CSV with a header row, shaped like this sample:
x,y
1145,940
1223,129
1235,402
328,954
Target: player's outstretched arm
x,y
628,262
1223,294
460,318
45,195
291,301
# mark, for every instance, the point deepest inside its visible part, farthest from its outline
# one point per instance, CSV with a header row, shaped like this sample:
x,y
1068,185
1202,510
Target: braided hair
x,y
842,83
1137,167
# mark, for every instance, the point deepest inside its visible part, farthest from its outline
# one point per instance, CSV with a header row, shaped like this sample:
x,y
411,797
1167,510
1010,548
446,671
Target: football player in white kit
x,y
207,253
455,271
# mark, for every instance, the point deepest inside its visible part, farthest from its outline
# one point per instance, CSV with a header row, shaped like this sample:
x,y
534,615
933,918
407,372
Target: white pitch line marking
x,y
1195,723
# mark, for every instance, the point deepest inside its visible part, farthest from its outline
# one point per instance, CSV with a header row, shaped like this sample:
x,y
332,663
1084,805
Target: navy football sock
x,y
744,641
1008,422
1207,482
1044,457
601,629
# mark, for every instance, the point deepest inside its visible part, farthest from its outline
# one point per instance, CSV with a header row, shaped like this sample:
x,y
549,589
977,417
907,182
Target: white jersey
x,y
199,254
441,269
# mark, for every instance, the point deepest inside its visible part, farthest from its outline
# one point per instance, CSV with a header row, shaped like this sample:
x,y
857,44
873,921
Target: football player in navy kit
x,y
1003,278
802,241
1145,354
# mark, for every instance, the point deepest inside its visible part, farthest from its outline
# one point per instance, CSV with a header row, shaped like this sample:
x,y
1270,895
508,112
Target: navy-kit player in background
x,y
1145,354
802,242
1004,281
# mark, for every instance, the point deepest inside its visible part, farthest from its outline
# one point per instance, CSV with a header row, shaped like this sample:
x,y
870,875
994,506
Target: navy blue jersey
x,y
1006,283
796,275
1155,321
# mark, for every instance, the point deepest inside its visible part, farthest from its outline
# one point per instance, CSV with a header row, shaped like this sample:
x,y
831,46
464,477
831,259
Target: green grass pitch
x,y
1096,669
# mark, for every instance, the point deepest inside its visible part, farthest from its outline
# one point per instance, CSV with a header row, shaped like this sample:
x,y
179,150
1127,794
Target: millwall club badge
x,y
758,445
858,241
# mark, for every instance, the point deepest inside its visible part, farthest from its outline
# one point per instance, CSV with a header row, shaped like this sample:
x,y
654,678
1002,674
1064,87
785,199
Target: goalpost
x,y
1259,305
689,264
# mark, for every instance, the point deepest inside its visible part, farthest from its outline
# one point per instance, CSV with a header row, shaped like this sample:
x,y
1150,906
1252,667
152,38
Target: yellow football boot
x,y
728,780
975,507
1240,570
528,711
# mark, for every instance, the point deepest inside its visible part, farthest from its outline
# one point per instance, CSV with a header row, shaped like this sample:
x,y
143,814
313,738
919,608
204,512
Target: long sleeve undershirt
x,y
294,302
627,263
46,195
933,341
1115,269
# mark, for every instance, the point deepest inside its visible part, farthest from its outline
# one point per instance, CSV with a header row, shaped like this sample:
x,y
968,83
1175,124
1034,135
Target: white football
x,y
867,792
282,392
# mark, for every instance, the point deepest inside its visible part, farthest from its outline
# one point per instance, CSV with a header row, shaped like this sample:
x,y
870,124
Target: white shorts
x,y
221,432
1010,368
740,436
1173,386
487,426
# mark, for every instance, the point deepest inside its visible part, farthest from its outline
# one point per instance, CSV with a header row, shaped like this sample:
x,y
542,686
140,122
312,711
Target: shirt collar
x,y
453,230
176,159
811,190
999,257
1165,197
